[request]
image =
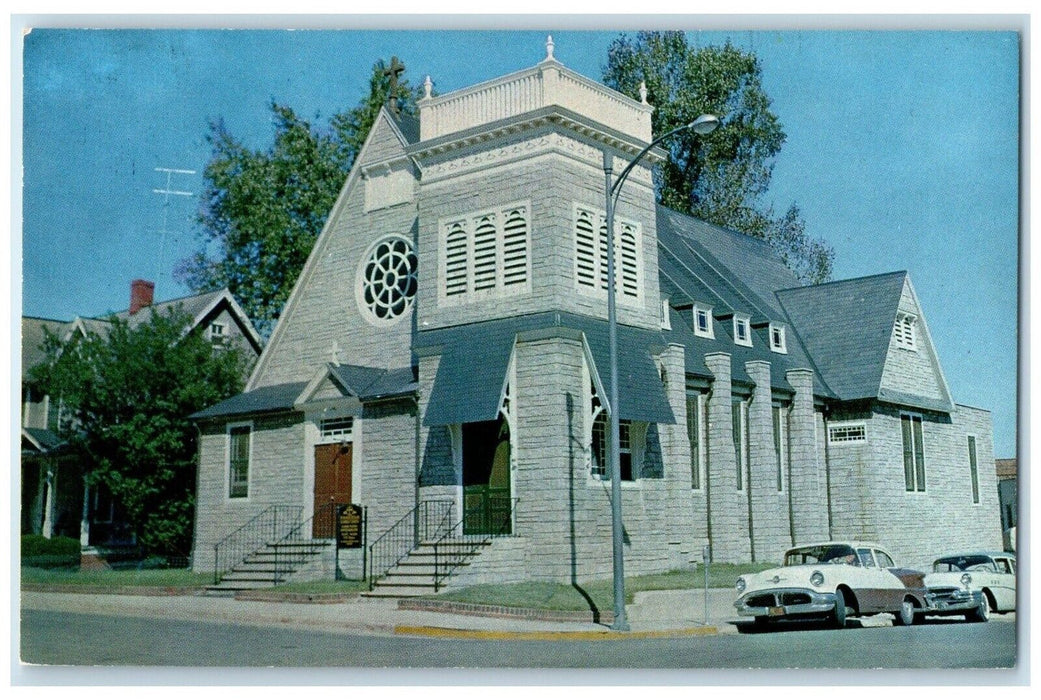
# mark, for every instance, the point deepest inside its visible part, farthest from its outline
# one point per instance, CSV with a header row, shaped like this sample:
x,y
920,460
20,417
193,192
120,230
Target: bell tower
x,y
512,200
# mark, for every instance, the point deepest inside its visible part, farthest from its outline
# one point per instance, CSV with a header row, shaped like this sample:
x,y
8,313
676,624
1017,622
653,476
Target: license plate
x,y
776,610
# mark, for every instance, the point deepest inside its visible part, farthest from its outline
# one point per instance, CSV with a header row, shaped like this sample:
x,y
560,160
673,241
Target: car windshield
x,y
966,563
821,554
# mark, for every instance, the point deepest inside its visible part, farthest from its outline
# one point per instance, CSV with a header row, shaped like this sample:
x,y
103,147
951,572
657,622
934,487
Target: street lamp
x,y
704,124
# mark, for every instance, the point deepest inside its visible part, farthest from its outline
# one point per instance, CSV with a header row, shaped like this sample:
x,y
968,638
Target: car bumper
x,y
956,602
785,602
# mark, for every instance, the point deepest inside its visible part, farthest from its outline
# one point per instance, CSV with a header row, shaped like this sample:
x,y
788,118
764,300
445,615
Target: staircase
x,y
423,570
271,565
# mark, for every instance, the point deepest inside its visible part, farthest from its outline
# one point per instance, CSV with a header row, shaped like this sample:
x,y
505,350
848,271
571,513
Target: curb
x,y
503,611
589,636
154,591
313,598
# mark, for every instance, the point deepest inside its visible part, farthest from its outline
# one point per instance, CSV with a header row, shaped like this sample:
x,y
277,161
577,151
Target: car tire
x,y
838,617
905,616
980,614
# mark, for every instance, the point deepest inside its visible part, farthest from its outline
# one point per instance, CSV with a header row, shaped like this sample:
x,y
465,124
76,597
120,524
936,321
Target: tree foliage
x,y
128,393
722,178
263,209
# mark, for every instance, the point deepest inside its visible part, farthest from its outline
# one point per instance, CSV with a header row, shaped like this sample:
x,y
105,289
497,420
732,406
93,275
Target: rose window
x,y
388,279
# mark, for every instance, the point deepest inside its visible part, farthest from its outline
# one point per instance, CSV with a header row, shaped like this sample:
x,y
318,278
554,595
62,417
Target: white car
x,y
832,580
973,584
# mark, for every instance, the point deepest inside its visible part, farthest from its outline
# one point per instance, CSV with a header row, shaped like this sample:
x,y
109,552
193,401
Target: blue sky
x,y
902,152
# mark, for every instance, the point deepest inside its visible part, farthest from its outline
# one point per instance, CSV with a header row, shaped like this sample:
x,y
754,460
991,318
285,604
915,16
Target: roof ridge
x,y
847,280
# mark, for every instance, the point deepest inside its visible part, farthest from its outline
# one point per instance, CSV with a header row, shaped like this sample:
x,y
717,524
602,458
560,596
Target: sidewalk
x,y
653,614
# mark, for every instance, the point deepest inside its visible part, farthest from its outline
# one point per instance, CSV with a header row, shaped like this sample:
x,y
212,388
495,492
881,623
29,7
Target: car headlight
x,y
740,585
817,578
966,578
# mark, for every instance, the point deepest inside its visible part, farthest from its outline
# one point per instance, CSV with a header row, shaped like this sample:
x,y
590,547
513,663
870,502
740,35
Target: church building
x,y
443,363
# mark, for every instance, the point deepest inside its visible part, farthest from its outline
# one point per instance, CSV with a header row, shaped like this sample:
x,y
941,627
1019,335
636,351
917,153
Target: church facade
x,y
447,343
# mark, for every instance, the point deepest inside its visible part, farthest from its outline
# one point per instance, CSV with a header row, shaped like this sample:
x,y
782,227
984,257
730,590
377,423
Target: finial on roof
x,y
334,351
428,87
643,92
549,48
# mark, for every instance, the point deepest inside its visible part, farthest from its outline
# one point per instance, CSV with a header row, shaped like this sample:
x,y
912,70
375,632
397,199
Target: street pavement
x,y
654,613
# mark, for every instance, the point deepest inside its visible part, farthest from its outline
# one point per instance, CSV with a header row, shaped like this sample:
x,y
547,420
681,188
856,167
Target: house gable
x,y
912,374
328,310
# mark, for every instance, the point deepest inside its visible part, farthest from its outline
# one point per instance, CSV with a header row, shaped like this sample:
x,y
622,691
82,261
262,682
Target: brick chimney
x,y
140,295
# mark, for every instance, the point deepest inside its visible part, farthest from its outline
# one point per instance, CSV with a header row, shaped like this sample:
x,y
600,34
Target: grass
x,y
598,594
115,578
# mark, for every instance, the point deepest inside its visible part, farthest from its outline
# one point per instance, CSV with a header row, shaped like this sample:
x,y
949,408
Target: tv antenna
x,y
167,192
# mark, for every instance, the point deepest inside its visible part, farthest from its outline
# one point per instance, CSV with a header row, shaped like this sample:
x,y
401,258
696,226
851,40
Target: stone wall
x,y
275,478
324,309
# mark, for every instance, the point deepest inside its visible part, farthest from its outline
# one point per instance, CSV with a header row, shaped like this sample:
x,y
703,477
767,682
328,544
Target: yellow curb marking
x,y
451,632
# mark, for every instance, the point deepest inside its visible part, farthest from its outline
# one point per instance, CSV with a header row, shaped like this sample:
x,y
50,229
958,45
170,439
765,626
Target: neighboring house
x,y
55,498
447,341
1008,498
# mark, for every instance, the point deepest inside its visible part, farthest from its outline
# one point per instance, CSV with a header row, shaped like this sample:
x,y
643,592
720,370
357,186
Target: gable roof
x,y
846,327
730,272
325,235
34,330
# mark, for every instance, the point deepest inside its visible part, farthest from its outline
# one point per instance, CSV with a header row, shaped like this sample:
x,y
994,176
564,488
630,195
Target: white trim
x,y
780,344
847,426
742,321
707,311
228,498
496,286
595,268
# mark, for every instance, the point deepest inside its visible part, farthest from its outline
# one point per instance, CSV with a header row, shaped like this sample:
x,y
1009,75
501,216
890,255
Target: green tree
x,y
128,393
722,178
263,209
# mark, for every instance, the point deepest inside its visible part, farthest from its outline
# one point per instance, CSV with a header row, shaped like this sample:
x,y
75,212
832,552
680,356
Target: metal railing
x,y
267,526
320,526
422,523
457,546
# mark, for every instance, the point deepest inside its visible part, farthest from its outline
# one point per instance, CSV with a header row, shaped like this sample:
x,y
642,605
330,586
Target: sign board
x,y
350,520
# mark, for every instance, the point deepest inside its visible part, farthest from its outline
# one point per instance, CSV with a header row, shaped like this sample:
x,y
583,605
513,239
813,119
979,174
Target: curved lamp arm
x,y
705,124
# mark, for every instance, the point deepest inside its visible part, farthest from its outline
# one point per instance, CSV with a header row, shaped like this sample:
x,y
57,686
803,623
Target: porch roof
x,y
475,358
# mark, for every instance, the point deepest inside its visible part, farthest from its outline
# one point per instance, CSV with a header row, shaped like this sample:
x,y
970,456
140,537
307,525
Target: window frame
x,y
905,331
509,270
914,470
742,321
709,331
592,281
229,430
698,449
779,422
974,472
781,345
739,411
599,445
847,425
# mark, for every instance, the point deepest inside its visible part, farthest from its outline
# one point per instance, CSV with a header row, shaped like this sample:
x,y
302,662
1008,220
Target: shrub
x,y
38,545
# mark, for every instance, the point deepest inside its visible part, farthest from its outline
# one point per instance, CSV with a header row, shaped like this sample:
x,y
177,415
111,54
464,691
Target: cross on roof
x,y
395,69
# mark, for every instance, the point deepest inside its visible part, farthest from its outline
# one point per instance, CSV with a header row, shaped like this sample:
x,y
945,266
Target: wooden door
x,y
332,484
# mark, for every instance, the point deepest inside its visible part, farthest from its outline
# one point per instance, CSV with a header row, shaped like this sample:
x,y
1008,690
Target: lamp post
x,y
704,124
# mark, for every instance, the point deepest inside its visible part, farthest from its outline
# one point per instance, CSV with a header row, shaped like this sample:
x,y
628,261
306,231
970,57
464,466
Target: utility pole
x,y
167,192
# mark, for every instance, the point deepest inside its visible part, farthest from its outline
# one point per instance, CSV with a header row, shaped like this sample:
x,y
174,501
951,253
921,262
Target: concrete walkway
x,y
653,614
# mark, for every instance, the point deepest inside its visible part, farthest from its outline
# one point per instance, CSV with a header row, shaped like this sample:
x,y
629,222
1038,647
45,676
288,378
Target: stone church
x,y
443,362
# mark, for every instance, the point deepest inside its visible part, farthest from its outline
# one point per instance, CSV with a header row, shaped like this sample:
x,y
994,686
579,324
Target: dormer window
x,y
742,330
703,321
904,331
778,342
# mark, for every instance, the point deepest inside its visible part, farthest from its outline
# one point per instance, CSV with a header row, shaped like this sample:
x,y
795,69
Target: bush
x,y
38,545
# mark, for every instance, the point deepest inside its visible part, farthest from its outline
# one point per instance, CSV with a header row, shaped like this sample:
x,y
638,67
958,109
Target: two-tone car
x,y
833,580
973,584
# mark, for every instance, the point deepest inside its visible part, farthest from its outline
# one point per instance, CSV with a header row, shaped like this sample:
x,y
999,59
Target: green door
x,y
486,478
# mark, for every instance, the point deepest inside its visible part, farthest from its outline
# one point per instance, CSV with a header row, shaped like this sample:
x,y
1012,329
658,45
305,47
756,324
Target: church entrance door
x,y
486,477
332,483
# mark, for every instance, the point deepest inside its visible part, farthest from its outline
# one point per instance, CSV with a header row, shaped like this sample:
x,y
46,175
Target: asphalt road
x,y
76,640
